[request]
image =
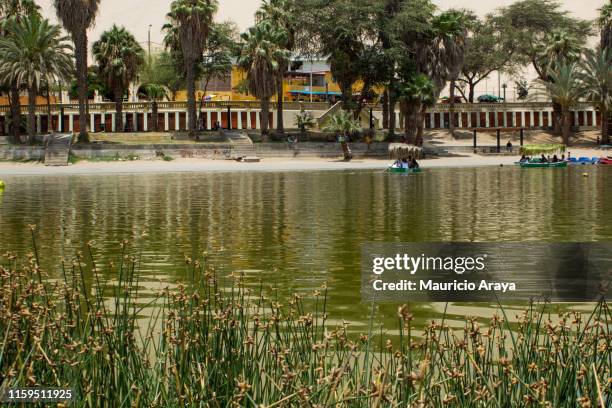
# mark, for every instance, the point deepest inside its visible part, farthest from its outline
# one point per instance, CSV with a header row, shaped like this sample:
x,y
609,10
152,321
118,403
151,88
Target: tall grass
x,y
201,345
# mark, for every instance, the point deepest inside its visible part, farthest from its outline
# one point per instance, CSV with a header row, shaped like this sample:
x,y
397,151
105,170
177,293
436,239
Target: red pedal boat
x,y
605,160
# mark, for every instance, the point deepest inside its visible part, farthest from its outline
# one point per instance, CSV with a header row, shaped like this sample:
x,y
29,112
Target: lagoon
x,y
298,231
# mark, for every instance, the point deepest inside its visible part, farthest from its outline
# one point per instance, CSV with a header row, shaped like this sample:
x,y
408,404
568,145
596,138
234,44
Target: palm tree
x,y
262,57
155,93
10,11
414,95
597,85
119,58
343,124
558,47
192,20
605,22
304,121
450,30
34,52
565,89
76,17
278,12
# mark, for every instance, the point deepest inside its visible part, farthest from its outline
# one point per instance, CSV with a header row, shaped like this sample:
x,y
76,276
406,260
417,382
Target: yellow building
x,y
306,81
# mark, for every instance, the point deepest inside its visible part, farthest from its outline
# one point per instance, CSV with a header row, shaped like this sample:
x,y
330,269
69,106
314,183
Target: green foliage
x,y
264,59
596,83
489,48
221,46
542,32
262,56
564,86
163,69
33,52
304,120
220,341
94,84
347,32
155,92
119,57
343,124
189,25
15,9
605,23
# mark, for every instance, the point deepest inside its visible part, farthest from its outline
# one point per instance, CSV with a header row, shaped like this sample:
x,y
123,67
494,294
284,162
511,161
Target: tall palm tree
x,y
155,93
279,13
119,58
450,31
10,11
76,17
565,89
414,95
597,85
262,56
343,124
558,47
33,52
192,20
605,22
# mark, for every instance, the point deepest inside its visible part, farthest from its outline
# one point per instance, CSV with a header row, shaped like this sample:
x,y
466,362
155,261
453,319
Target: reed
x,y
199,345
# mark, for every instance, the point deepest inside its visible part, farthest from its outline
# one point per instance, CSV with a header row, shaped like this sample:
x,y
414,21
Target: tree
x,y
280,13
346,32
192,20
119,58
605,23
11,10
428,44
33,52
543,34
415,95
304,121
155,93
489,48
343,124
597,85
262,56
94,84
450,30
221,46
384,22
76,17
566,90
164,69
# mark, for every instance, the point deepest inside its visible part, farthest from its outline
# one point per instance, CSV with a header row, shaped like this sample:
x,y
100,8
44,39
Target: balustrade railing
x,y
142,107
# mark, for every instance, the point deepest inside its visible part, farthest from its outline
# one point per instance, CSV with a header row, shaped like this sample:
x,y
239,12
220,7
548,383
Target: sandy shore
x,y
266,165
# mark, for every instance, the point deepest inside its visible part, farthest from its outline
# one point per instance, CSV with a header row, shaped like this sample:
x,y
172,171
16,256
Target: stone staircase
x,y
328,113
242,146
57,150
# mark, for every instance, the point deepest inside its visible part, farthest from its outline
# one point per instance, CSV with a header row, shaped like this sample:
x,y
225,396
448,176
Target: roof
x,y
315,93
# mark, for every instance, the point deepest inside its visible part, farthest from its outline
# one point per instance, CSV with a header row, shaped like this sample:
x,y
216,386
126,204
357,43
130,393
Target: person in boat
x,y
414,164
524,159
543,159
555,159
563,157
405,163
397,164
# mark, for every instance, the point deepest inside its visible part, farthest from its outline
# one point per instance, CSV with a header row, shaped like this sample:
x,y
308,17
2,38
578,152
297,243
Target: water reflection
x,y
300,230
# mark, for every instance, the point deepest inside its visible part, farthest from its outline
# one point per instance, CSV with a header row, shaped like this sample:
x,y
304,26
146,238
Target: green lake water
x,y
297,231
